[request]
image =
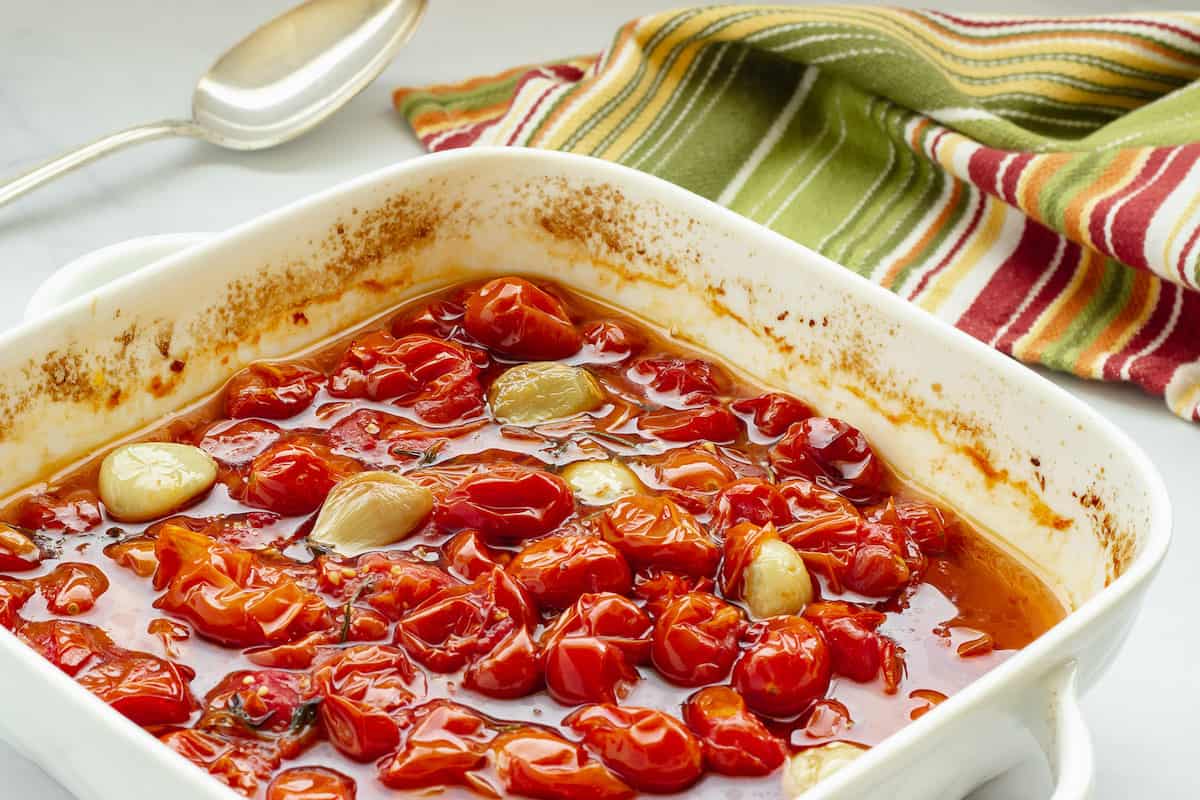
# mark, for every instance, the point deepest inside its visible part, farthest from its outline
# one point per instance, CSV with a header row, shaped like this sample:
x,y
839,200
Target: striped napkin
x,y
1034,181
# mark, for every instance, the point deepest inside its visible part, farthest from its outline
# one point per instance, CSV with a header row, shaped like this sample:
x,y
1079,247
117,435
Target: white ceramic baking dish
x,y
1058,485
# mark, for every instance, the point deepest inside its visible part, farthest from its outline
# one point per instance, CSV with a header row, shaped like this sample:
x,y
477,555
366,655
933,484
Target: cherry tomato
x,y
658,588
147,689
742,543
239,765
70,512
750,500
293,477
468,556
587,669
709,423
392,583
354,624
925,525
382,439
441,318
696,639
445,744
227,593
558,569
833,454
506,503
772,413
856,650
735,741
610,342
271,390
693,469
436,378
806,499
254,703
611,617
654,532
14,594
18,553
536,763
785,667
512,668
233,444
677,382
876,570
72,588
311,783
460,624
515,318
362,688
70,646
650,750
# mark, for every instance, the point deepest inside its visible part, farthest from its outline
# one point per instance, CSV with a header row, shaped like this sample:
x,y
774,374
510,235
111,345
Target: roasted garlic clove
x,y
528,394
370,510
139,482
809,767
598,483
776,582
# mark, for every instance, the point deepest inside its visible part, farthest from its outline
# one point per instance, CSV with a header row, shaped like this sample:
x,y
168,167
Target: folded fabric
x,y
1034,181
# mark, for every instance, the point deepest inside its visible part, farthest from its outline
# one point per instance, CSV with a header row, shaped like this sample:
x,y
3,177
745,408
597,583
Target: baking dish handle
x,y
1058,725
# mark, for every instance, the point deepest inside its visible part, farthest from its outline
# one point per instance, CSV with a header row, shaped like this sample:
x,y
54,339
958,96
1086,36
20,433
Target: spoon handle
x,y
18,186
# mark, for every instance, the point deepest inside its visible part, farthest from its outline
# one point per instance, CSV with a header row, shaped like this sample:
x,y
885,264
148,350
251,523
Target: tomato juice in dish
x,y
508,541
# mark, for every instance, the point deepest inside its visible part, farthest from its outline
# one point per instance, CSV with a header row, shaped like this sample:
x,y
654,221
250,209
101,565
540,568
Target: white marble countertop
x,y
72,70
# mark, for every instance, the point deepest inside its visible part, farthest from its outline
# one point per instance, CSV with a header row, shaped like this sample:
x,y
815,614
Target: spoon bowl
x,y
275,84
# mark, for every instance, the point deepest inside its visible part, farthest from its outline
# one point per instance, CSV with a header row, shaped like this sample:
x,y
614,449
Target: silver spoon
x,y
272,86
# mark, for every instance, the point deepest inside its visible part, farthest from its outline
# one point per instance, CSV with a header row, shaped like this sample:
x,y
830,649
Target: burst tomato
x,y
515,318
271,390
536,763
445,744
677,382
513,668
696,639
256,703
587,669
785,667
70,512
654,532
506,503
735,741
14,594
293,477
693,469
611,617
610,342
558,569
659,587
70,646
233,444
750,500
362,688
392,583
832,453
772,413
468,556
147,689
709,423
650,750
311,783
18,553
72,588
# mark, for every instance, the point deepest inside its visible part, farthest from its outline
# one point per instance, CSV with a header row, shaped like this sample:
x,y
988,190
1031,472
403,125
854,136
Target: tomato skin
x,y
655,533
437,378
750,500
271,390
536,763
461,624
18,553
362,687
650,750
514,318
445,743
806,499
227,593
239,765
70,646
735,741
587,669
468,556
147,689
925,525
833,454
709,423
558,569
696,639
659,587
693,469
72,588
14,594
876,570
70,512
772,413
610,617
677,382
311,783
506,503
742,543
856,650
292,478
785,667
233,444
610,341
